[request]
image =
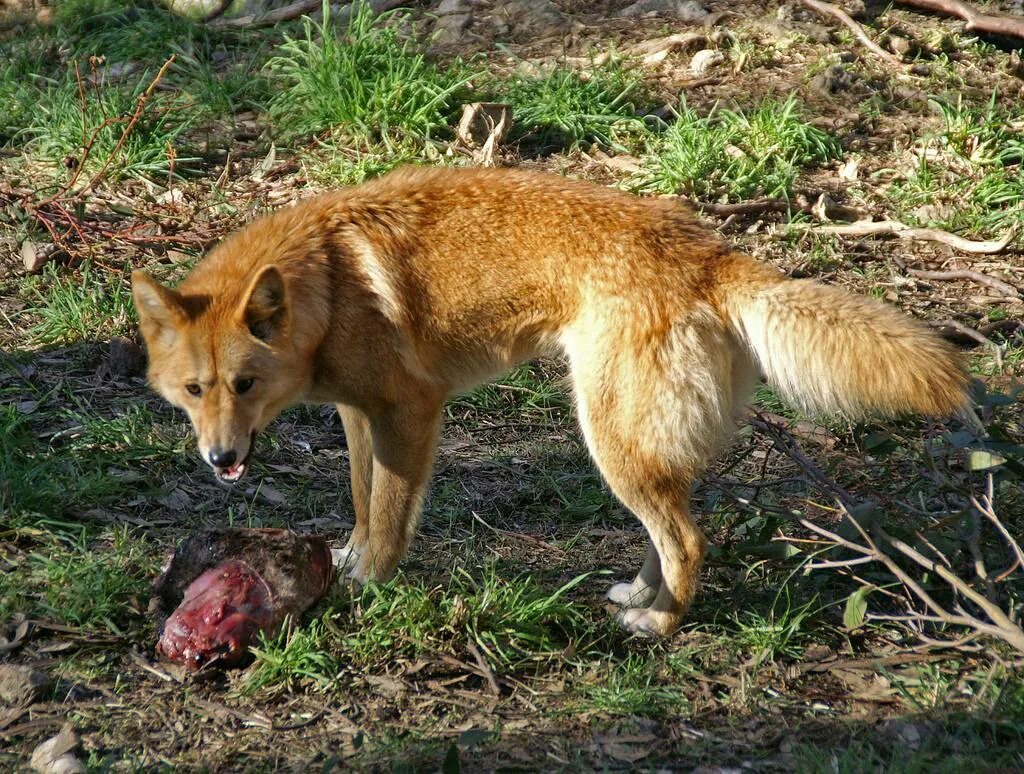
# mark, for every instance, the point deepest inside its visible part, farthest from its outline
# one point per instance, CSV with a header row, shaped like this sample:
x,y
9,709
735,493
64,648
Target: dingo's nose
x,y
223,459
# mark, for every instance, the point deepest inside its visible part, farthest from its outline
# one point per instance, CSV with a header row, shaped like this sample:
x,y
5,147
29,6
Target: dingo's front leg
x,y
360,461
404,444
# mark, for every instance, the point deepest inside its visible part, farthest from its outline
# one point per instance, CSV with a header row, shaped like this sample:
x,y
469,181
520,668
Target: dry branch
x,y
963,274
828,9
977,21
823,205
300,8
958,333
903,231
991,620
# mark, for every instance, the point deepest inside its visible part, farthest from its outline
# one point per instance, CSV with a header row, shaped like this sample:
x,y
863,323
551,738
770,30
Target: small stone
x,y
453,18
834,80
532,15
172,196
899,45
21,684
704,60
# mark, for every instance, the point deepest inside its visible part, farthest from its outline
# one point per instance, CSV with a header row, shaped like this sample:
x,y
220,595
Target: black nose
x,y
223,459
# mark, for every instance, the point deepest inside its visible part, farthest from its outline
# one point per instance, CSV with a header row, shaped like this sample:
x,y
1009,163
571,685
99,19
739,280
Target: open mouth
x,y
235,473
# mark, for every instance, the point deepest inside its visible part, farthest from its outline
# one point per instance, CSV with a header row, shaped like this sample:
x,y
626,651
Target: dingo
x,y
386,298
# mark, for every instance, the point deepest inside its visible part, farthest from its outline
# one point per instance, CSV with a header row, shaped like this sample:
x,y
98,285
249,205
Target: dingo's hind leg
x,y
655,404
644,587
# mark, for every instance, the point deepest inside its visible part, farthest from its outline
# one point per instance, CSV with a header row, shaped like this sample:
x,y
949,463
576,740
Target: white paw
x,y
647,622
345,559
631,595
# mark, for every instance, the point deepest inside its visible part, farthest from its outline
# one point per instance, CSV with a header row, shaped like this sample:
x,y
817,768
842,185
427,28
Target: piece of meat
x,y
222,588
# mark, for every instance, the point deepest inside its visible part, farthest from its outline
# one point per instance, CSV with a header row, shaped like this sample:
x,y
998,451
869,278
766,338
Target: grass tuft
x,y
92,583
566,108
734,154
368,82
92,305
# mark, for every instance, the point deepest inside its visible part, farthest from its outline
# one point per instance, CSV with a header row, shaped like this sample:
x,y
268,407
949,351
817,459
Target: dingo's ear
x,y
265,307
159,308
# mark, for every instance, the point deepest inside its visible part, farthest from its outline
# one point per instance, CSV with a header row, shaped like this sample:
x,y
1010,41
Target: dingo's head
x,y
226,357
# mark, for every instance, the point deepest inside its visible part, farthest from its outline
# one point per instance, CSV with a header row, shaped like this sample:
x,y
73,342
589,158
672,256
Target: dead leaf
x,y
630,749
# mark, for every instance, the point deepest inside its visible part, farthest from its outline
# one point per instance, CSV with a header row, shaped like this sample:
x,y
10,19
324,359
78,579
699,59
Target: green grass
x,y
567,108
970,176
634,686
92,305
70,116
368,82
297,656
513,622
735,154
80,468
70,576
533,389
778,633
335,162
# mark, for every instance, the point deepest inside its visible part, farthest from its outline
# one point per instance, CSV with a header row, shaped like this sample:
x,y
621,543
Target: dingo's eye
x,y
243,385
193,389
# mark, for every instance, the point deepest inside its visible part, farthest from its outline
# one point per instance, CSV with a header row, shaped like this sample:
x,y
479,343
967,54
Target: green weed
x,y
93,583
37,477
85,307
513,622
778,633
297,655
735,154
70,116
635,686
970,176
368,82
336,163
564,107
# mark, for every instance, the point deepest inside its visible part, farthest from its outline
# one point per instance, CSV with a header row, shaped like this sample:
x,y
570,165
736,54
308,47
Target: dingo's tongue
x,y
232,474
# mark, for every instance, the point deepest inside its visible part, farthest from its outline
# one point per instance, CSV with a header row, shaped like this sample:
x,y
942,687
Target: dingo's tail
x,y
827,350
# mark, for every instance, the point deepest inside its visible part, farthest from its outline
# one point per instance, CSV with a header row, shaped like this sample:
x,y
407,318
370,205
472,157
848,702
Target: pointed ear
x,y
159,308
265,308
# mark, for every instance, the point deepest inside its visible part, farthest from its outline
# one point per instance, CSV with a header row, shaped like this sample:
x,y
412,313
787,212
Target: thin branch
x,y
957,332
999,286
828,9
996,23
903,231
484,667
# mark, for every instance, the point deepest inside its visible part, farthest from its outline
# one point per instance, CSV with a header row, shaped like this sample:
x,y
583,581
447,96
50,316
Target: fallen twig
x,y
997,23
957,274
757,206
828,9
300,8
484,667
994,621
903,231
959,333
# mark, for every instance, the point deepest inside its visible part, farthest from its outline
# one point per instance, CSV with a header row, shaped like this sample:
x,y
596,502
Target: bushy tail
x,y
827,350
